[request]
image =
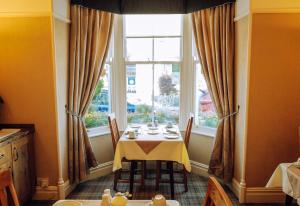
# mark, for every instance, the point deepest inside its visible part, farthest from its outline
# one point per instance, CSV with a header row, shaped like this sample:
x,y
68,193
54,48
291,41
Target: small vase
x,y
119,200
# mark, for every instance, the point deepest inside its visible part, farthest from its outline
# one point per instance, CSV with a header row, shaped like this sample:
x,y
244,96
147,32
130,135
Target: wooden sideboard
x,y
16,155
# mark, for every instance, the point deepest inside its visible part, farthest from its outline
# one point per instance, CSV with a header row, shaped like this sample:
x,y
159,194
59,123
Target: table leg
x,y
288,200
170,165
132,169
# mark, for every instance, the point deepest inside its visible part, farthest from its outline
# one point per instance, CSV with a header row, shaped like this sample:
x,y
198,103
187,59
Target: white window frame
x,y
187,80
153,62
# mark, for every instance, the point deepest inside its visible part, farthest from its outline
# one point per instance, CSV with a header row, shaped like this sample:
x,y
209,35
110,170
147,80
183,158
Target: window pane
x,y
167,49
139,49
139,93
100,105
153,25
205,110
166,92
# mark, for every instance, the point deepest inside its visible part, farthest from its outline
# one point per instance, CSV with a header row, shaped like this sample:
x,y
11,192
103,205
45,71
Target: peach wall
x,y
257,5
27,84
16,6
274,95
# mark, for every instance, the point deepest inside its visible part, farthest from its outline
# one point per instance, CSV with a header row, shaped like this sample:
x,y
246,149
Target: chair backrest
x,y
115,135
6,182
188,130
215,195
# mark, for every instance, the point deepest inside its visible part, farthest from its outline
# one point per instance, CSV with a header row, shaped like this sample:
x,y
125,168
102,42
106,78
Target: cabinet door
x,y
21,172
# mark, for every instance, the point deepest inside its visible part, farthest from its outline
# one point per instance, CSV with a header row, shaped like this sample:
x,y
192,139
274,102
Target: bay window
x,y
152,72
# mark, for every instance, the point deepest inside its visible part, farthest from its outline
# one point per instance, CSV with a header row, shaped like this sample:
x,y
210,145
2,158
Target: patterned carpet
x,y
194,197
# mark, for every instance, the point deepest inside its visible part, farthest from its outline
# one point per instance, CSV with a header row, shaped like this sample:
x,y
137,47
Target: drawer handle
x,y
1,156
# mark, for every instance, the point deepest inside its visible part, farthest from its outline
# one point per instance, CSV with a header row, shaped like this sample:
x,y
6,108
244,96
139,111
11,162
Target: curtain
x,y
89,41
214,37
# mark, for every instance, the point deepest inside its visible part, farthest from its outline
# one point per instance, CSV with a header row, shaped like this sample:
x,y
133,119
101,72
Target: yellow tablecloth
x,y
162,149
287,177
130,202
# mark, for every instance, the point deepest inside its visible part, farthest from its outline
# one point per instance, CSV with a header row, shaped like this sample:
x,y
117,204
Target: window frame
x,y
118,93
153,62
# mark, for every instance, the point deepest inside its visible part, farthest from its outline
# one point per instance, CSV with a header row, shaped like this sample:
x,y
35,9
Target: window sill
x,y
98,131
205,131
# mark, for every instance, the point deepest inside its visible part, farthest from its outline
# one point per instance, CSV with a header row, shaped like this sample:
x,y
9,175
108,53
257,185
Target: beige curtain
x,y
89,40
214,37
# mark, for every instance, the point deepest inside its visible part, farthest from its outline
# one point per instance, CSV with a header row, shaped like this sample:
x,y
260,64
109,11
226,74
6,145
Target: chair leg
x,y
158,174
185,180
116,178
170,168
145,171
143,174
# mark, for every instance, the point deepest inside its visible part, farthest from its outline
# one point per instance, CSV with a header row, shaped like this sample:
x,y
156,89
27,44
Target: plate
x,y
135,126
153,128
171,136
173,131
68,203
153,132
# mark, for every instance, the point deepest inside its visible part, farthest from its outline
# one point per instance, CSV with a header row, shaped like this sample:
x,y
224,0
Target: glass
x,y
153,25
139,93
166,92
100,105
167,49
205,110
139,49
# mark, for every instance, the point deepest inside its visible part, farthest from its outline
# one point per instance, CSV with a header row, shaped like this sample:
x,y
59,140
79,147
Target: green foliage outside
x,y
98,89
210,121
143,114
94,118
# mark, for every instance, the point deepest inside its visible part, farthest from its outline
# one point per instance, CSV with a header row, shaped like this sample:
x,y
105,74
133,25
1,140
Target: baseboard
x,y
68,188
264,195
101,170
257,194
49,193
199,168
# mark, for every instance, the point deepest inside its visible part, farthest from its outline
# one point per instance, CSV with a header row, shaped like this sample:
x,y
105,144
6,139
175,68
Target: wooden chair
x,y
183,170
6,182
115,136
215,195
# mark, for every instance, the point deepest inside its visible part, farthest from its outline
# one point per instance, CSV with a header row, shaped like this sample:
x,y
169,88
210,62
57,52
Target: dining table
x,y
130,202
287,177
152,143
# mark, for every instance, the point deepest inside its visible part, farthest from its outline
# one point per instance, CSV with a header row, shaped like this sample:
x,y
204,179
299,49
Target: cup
x,y
159,200
131,134
169,125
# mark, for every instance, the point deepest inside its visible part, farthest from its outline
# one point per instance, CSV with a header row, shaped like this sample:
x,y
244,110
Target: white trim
x,y
238,18
205,131
118,90
239,189
98,131
61,18
101,170
186,73
199,168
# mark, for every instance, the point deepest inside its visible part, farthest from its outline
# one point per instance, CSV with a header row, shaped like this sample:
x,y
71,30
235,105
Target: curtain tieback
x,y
73,114
231,114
